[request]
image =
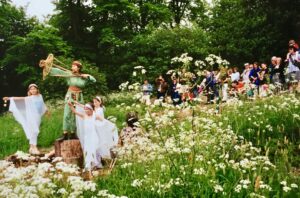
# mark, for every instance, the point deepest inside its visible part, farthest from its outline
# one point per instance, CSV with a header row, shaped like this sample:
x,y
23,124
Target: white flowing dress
x,y
86,131
28,112
107,134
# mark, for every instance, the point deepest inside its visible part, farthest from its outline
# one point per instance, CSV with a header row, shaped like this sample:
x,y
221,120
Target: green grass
x,y
12,136
280,144
260,128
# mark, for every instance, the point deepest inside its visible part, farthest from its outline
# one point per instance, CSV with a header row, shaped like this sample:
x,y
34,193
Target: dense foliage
x,y
117,35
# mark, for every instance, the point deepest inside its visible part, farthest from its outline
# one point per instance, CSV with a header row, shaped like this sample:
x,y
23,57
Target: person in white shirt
x,y
235,76
246,72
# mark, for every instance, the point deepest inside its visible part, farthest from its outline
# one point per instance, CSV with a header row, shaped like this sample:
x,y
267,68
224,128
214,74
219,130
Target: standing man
x,y
246,72
293,60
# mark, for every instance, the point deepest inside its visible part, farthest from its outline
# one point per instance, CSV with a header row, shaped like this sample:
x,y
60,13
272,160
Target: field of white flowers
x,y
244,149
251,149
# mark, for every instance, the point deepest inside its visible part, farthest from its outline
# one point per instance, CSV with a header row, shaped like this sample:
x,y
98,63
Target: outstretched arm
x,y
59,72
15,98
79,104
74,111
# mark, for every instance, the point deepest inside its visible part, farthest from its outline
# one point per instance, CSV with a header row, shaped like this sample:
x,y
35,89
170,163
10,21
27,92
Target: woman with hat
x,y
28,111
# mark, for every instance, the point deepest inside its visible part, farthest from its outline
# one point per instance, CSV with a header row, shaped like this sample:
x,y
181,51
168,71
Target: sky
x,y
38,8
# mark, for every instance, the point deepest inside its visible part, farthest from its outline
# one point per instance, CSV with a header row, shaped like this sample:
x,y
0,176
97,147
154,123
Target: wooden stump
x,y
70,151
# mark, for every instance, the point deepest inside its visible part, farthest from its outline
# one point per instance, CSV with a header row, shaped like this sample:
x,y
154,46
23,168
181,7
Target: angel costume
x,y
107,134
69,118
28,112
86,131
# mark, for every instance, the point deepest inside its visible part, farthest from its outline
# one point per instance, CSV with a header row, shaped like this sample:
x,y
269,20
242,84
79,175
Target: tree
x,y
253,30
154,51
155,12
188,11
237,35
13,22
20,63
74,22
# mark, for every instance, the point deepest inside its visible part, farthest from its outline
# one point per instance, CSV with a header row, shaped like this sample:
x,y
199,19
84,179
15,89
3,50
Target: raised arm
x,y
79,104
15,98
74,111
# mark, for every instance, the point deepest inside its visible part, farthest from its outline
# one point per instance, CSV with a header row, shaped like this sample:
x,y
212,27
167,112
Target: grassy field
x,y
251,149
13,137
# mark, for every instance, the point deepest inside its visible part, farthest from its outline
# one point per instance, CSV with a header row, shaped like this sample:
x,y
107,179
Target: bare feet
x,y
33,150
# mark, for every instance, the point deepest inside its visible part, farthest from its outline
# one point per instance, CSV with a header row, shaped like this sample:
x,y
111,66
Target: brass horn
x,y
50,62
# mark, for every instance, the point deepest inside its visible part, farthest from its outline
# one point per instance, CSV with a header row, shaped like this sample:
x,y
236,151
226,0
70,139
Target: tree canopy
x,y
115,36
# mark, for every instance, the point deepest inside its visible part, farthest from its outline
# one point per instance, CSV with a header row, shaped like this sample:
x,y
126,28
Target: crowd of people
x,y
256,80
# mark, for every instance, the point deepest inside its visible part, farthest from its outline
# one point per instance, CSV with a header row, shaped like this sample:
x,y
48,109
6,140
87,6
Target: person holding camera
x,y
293,64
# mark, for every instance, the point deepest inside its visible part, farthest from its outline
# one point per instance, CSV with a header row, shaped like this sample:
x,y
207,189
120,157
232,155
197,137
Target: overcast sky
x,y
39,8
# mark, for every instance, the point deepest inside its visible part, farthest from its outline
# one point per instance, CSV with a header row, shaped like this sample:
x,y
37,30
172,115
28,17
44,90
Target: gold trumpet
x,y
50,62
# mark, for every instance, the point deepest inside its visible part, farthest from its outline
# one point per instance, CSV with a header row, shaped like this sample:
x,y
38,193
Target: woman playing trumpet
x,y
76,81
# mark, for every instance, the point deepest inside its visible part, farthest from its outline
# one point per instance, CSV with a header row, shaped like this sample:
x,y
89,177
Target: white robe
x,y
28,112
107,134
86,131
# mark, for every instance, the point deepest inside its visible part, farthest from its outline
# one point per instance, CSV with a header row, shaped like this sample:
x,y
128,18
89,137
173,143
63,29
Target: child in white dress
x,y
106,130
86,128
28,111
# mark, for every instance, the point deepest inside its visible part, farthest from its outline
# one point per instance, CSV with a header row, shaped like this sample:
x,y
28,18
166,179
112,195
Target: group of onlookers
x,y
256,80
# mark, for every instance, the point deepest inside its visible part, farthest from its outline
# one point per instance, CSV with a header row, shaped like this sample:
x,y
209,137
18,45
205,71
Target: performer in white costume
x,y
106,130
86,131
28,111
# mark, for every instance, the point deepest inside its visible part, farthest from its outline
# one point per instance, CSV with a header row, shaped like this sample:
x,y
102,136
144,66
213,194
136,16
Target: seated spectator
x,y
161,87
235,76
237,88
131,130
175,91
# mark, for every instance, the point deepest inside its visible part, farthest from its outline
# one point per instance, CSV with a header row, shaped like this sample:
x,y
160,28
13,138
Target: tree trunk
x,y
70,151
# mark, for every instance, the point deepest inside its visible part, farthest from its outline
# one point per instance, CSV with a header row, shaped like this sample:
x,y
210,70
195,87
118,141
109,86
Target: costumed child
x,y
86,131
106,130
28,111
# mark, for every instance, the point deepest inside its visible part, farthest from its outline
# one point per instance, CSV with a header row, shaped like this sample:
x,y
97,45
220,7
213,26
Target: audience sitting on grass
x,y
255,81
